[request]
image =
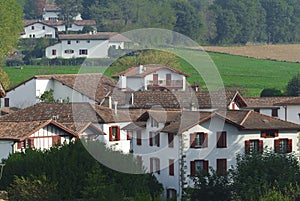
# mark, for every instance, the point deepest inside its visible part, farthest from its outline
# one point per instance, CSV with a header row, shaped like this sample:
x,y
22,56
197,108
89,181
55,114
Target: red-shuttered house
x,y
177,145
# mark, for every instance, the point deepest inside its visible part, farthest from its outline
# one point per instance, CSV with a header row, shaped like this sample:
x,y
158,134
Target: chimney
x,y
122,82
195,86
140,69
116,107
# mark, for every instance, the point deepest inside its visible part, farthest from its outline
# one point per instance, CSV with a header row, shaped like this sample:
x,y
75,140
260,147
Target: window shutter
x,y
118,133
170,140
193,168
171,167
205,166
247,146
151,165
205,143
276,133
158,165
31,143
276,145
110,134
19,145
290,148
263,134
56,140
128,135
150,139
157,139
138,138
192,139
261,146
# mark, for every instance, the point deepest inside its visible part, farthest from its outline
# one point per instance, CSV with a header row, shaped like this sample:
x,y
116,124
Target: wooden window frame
x,y
54,52
171,192
154,139
203,143
222,166
114,133
287,149
248,146
139,138
170,140
6,102
193,171
222,139
269,133
275,112
171,167
154,165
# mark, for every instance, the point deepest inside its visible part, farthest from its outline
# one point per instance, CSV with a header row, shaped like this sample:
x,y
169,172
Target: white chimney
x,y
122,82
116,107
132,98
140,69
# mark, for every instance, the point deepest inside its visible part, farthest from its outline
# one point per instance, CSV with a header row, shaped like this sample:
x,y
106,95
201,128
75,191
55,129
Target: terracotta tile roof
x,y
113,36
140,125
51,8
148,69
290,101
22,130
45,22
2,91
85,22
8,110
265,102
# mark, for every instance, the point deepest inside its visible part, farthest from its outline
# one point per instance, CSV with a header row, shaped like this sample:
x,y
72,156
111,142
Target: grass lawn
x,y
249,73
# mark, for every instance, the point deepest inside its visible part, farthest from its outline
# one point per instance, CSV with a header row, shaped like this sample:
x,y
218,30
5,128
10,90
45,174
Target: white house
x,y
174,145
66,88
52,11
78,25
94,45
38,29
152,76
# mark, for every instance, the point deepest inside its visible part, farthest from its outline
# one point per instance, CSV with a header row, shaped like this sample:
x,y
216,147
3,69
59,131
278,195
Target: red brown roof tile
x,y
265,102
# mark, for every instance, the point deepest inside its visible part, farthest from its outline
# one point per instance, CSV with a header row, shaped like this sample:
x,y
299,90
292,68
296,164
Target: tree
x,y
293,86
70,9
4,79
256,174
269,92
47,96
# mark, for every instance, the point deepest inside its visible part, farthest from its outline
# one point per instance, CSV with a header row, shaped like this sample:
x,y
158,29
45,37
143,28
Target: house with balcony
x,y
174,145
152,77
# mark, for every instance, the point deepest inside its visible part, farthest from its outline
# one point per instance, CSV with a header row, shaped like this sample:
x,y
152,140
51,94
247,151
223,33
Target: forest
x,y
215,22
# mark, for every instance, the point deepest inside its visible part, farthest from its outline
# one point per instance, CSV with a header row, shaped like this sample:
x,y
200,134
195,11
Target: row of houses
x,y
172,128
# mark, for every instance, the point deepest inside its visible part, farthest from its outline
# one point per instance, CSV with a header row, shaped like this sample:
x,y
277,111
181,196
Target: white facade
x,y
50,15
29,93
78,48
39,30
6,148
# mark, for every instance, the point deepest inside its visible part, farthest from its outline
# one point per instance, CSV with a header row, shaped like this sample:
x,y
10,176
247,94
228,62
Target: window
x,y
168,79
252,146
43,27
32,27
69,51
6,102
139,161
256,110
30,36
154,139
199,167
68,42
88,41
53,52
154,123
275,112
283,146
198,140
221,139
171,193
33,35
48,35
170,140
269,133
83,52
56,140
222,166
171,167
138,137
77,41
25,144
129,134
155,165
114,133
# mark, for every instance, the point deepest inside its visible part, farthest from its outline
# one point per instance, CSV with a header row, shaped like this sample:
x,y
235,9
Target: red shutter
x,y
56,140
110,134
171,167
138,138
155,79
31,143
205,143
192,139
158,165
261,146
128,135
170,140
263,134
205,166
276,133
193,168
150,139
290,148
118,133
19,145
151,165
157,139
247,146
276,145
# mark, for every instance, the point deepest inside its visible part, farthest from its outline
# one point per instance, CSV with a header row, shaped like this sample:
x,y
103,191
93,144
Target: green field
x,y
251,74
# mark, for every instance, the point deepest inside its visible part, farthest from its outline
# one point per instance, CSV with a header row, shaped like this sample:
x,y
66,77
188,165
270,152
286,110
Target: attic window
x,y
269,133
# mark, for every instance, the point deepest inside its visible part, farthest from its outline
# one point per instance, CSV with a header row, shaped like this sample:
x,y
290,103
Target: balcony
x,y
161,84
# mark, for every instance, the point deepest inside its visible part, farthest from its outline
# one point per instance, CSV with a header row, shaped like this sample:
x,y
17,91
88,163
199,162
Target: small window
x,y
6,102
83,52
171,167
154,139
198,140
88,41
222,166
30,36
138,137
171,193
69,51
68,42
77,41
129,134
283,146
269,133
43,27
198,167
275,112
221,139
114,133
253,146
155,165
170,140
32,27
53,52
48,35
33,35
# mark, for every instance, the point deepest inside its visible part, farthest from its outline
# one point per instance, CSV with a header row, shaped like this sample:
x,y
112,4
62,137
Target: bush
x,y
269,92
14,62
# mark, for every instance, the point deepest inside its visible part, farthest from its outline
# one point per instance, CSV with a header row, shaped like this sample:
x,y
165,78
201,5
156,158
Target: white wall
x,y
38,31
135,84
118,45
5,148
48,15
292,113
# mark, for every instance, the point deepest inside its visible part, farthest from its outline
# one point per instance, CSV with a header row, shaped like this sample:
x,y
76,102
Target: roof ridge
x,y
246,117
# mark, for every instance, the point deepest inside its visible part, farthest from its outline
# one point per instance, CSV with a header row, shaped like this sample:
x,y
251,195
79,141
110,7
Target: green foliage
x,y
32,9
269,92
274,196
76,174
32,188
256,174
293,86
47,96
4,79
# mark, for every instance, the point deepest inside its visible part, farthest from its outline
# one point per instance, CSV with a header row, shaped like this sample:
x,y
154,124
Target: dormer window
x,y
154,123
